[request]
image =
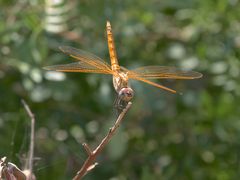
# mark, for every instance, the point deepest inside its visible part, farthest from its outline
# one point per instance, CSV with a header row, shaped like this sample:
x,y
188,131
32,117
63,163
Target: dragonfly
x,y
90,63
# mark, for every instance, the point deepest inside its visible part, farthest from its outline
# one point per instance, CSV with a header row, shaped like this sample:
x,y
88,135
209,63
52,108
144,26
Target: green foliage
x,y
164,136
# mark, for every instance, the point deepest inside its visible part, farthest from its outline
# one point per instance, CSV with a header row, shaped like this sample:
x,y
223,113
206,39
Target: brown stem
x,y
90,162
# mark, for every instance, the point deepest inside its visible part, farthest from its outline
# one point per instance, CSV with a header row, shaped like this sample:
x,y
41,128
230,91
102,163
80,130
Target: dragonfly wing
x,y
87,62
86,57
78,67
154,84
133,75
163,72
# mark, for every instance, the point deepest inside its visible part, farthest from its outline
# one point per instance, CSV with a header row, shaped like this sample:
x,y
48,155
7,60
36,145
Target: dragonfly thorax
x,y
120,81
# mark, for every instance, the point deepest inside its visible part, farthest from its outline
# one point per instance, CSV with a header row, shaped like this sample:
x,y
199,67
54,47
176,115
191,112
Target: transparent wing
x,y
138,77
87,62
78,67
155,84
162,72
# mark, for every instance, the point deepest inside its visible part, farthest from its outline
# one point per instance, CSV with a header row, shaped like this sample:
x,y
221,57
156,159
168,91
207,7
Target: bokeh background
x,y
195,135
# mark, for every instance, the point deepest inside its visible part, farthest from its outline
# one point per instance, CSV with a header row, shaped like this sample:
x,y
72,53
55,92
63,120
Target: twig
x,y
31,148
90,163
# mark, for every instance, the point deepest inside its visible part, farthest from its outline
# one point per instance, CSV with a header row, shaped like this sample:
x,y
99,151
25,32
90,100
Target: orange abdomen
x,y
111,47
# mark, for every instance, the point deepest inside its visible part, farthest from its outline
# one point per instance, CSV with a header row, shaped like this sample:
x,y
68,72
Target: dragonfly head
x,y
126,94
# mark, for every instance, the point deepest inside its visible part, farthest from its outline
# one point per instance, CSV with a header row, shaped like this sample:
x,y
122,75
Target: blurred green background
x,y
195,135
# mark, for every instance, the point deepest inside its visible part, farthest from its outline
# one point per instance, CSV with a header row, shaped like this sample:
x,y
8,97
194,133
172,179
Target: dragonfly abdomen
x,y
111,47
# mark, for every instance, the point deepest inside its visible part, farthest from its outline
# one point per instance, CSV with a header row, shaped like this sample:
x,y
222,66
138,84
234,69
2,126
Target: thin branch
x,y
90,162
31,148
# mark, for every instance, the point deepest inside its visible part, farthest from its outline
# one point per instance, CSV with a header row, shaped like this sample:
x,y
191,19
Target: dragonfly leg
x,y
119,104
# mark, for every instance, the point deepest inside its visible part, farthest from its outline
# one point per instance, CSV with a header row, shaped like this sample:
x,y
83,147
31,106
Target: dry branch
x,y
90,162
29,166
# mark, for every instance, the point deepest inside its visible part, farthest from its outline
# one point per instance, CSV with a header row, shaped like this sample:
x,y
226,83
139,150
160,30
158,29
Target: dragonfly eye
x,y
126,94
